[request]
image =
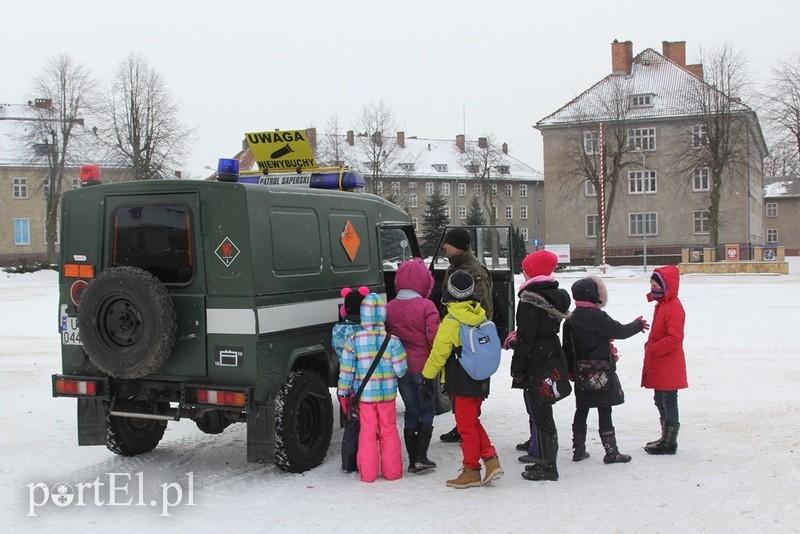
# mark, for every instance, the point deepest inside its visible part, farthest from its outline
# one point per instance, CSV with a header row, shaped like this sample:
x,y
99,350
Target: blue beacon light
x,y
228,170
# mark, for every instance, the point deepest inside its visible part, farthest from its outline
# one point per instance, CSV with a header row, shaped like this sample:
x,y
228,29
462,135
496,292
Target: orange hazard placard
x,y
350,241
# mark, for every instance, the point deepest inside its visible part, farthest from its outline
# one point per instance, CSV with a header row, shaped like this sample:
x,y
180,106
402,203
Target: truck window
x,y
395,247
156,238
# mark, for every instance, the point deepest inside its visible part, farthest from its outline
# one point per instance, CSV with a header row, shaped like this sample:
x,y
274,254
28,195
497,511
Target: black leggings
x,y
603,414
543,414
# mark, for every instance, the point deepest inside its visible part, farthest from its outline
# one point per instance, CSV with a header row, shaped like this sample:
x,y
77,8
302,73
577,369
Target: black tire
x,y
303,422
128,436
212,422
127,322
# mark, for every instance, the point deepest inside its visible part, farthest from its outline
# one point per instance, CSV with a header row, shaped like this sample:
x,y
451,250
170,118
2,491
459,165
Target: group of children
x,y
422,348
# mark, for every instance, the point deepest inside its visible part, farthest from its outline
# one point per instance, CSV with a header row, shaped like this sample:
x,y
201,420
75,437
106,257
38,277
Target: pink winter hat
x,y
539,263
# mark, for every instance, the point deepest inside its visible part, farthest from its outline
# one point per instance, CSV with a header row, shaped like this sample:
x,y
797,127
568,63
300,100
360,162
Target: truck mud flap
x,y
261,433
91,422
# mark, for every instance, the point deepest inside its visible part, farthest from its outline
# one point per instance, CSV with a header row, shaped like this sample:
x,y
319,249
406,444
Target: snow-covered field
x,y
737,467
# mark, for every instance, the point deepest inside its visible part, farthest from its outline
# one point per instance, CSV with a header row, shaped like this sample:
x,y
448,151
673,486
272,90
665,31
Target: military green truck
x,y
214,301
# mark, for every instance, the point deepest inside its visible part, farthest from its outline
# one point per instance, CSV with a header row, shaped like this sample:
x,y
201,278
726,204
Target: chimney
x,y
483,143
377,139
675,50
350,137
311,135
621,57
696,70
401,139
460,142
505,148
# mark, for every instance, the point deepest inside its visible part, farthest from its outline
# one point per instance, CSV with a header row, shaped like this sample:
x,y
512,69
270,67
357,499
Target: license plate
x,y
70,333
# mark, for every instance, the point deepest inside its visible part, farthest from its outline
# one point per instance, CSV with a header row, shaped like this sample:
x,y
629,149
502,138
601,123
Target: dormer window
x,y
503,169
642,101
440,167
471,167
407,166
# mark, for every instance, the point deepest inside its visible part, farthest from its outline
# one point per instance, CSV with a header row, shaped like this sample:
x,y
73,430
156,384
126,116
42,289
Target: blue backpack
x,y
480,350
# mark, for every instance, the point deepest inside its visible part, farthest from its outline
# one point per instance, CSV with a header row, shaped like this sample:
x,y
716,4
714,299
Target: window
x,y
472,168
412,185
407,166
772,235
445,190
772,209
641,182
640,224
440,167
429,188
524,232
477,188
702,221
462,212
379,188
394,247
395,188
412,200
76,184
644,138
523,190
592,225
590,143
494,190
20,188
509,212
641,101
699,135
523,213
157,238
589,189
22,231
509,190
700,179
462,189
503,169
447,211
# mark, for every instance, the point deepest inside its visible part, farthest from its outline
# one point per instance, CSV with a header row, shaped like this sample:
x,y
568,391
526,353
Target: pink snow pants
x,y
379,441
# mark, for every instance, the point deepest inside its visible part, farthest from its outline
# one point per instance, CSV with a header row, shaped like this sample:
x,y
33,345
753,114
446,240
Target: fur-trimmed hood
x,y
590,289
535,299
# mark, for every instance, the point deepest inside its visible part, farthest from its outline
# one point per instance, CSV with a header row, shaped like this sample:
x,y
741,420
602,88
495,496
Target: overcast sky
x,y
236,66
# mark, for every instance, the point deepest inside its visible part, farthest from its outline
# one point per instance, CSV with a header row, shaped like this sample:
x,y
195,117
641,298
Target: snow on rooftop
x,y
782,188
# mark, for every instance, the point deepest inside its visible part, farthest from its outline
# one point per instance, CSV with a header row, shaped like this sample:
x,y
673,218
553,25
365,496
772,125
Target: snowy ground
x,y
737,468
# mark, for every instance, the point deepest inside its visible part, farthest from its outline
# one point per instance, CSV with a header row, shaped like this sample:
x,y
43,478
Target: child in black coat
x,y
588,335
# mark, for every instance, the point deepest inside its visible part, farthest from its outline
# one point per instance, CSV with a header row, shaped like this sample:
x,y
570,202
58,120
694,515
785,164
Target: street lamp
x,y
644,208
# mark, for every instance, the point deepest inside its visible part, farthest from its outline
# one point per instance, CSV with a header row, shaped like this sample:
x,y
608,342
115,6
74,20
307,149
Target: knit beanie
x,y
460,286
539,263
458,237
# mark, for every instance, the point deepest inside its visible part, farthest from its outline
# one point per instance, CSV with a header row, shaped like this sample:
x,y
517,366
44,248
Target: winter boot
x,y
659,440
579,443
670,443
451,437
467,478
547,470
493,469
524,446
410,437
423,441
613,456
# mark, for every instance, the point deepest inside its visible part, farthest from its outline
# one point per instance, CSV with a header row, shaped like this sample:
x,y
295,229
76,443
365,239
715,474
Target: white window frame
x,y
503,169
699,135
412,200
462,213
523,213
772,209
412,185
494,190
644,138
429,188
445,189
395,188
509,190
642,222
523,190
27,225
642,101
477,188
642,182
407,166
699,176
509,213
379,187
589,190
591,142
701,222
524,232
439,167
772,235
20,187
595,225
462,189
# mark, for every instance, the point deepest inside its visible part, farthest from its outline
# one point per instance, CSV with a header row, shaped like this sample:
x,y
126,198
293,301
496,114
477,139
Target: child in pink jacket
x,y
414,319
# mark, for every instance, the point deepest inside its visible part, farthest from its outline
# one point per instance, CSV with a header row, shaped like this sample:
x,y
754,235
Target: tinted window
x,y
156,238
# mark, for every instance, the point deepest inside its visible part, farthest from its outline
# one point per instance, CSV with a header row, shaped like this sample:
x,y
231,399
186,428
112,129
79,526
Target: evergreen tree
x,y
518,245
433,222
475,213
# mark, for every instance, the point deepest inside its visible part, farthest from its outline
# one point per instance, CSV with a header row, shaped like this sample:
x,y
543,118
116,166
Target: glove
x,y
645,324
426,390
344,404
511,340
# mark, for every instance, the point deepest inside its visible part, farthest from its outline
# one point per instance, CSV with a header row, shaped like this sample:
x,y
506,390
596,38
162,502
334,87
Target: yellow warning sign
x,y
350,241
280,151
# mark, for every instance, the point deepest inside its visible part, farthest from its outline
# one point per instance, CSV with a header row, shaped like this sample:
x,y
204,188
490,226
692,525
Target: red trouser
x,y
475,442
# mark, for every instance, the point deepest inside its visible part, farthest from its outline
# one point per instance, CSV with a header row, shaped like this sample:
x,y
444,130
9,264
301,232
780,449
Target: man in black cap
x,y
456,248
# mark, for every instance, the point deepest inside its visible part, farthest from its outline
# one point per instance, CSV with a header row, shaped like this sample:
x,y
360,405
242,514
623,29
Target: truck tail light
x,y
66,386
78,270
221,397
76,291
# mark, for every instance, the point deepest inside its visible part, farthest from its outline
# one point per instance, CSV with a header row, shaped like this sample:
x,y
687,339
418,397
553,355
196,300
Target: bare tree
x,y
331,150
783,159
482,160
373,149
63,92
782,108
721,121
142,121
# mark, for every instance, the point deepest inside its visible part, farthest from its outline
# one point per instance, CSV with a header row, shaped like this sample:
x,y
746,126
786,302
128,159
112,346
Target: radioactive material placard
x,y
280,151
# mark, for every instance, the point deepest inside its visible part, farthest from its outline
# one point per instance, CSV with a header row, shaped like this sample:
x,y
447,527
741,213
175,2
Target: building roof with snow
x,y
782,187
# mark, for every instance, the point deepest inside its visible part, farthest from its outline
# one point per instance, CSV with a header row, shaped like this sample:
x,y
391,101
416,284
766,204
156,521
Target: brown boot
x,y
467,478
493,469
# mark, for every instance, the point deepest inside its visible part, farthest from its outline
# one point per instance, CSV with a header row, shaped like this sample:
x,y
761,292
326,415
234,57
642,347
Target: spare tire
x,y
127,322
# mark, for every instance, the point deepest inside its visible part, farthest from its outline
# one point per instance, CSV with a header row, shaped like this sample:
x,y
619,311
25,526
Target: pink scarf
x,y
586,304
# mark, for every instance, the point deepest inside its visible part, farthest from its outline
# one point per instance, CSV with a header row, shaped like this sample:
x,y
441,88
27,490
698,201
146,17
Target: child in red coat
x,y
664,367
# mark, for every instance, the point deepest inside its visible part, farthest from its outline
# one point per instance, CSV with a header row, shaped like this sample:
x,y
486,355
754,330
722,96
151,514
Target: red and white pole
x,y
602,179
